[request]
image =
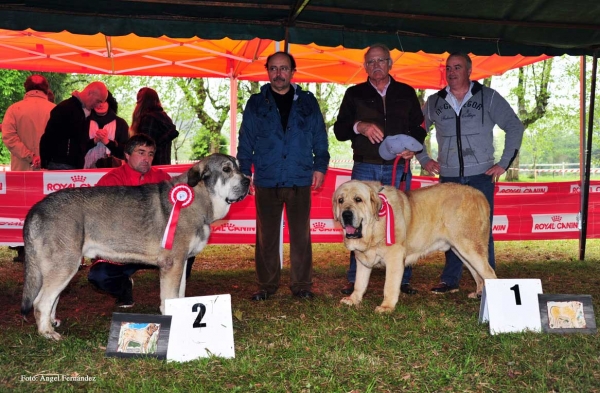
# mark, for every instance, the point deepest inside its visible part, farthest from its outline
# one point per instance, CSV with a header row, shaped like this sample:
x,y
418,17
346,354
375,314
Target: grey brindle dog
x,y
122,224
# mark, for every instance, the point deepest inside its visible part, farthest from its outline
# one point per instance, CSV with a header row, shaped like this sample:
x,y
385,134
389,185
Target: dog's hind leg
x,y
478,265
56,269
46,301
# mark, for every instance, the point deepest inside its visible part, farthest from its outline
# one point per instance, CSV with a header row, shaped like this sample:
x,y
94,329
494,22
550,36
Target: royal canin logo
x,y
11,223
230,227
321,227
226,227
556,218
78,179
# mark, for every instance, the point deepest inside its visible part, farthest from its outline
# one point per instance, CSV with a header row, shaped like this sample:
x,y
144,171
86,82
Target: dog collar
x,y
387,212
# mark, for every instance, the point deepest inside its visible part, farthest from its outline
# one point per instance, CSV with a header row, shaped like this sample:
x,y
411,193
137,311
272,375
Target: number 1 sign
x,y
511,305
200,327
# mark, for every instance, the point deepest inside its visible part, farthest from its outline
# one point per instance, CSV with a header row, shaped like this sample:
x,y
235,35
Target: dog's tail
x,y
33,275
31,287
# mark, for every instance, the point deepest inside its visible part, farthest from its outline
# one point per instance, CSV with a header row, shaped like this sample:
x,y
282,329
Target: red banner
x,y
523,211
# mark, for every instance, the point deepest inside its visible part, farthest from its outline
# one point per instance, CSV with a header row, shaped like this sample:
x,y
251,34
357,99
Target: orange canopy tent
x,y
224,58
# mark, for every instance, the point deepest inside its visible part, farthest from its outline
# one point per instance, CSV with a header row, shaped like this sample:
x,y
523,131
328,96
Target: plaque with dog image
x,y
138,335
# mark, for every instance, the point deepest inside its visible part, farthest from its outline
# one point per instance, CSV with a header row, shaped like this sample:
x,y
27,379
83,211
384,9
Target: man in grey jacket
x,y
464,114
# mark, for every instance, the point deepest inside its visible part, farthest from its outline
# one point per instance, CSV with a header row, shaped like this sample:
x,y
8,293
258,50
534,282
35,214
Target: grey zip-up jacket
x,y
466,142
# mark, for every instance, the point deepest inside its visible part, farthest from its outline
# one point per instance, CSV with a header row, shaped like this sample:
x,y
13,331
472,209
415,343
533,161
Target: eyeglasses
x,y
282,69
380,61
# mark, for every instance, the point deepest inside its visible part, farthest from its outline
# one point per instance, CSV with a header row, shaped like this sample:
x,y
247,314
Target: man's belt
x,y
376,161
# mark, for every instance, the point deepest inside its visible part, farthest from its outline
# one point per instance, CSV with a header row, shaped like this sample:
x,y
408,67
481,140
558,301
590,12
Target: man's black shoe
x,y
407,289
20,254
443,288
304,294
126,298
260,295
348,289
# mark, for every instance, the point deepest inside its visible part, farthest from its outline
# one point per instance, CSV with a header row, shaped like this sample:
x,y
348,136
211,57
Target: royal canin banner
x,y
523,211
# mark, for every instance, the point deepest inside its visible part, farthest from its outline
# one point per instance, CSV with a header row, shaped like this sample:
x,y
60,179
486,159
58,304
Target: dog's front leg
x,y
363,273
393,277
170,281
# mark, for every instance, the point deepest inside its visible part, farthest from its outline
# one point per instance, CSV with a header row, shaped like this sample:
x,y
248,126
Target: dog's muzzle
x,y
348,221
245,183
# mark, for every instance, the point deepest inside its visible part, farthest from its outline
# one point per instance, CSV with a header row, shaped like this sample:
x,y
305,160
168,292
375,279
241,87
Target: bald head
x,y
95,93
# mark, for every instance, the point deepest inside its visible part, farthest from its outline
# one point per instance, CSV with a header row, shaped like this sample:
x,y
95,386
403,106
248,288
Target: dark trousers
x,y
269,208
113,278
453,268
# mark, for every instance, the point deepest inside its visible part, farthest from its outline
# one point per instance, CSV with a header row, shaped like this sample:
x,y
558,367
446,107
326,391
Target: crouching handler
x,y
113,277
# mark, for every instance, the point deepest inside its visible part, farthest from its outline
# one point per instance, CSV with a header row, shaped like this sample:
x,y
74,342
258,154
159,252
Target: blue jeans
x,y
383,174
454,267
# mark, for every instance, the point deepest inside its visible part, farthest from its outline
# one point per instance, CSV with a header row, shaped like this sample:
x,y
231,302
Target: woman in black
x,y
149,118
107,133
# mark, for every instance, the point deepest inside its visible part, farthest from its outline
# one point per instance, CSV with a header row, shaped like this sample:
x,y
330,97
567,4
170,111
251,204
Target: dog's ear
x,y
375,202
197,173
336,206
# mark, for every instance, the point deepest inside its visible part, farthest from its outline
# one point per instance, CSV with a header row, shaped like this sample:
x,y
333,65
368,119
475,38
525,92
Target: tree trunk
x,y
541,94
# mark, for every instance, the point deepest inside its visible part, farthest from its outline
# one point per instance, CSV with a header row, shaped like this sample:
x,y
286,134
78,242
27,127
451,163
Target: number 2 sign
x,y
511,305
201,326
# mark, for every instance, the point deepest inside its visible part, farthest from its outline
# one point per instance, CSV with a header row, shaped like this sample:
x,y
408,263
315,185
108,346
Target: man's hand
x,y
251,188
371,131
495,172
36,162
407,154
432,167
317,180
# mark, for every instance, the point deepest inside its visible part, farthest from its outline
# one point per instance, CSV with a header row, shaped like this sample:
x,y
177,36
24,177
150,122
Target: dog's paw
x,y
348,301
474,295
384,309
52,335
56,322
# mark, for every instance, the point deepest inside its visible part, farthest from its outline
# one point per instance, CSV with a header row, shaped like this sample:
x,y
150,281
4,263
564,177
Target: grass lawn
x,y
431,343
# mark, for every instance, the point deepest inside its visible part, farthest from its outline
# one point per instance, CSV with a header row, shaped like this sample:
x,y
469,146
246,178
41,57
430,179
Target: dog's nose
x,y
347,216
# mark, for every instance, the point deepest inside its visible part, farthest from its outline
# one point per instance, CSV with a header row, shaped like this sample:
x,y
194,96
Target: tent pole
x,y
588,158
233,115
582,145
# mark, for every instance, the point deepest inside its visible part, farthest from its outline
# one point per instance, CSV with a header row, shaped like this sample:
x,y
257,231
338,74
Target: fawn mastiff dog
x,y
140,336
122,224
441,217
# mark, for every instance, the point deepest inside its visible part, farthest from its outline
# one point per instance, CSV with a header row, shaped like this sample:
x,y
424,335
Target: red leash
x,y
404,175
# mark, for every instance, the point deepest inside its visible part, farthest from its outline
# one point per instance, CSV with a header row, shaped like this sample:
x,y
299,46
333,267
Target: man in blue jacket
x,y
283,137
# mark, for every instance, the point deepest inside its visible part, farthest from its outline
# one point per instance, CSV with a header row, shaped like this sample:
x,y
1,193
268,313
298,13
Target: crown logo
x,y
556,218
78,179
229,226
319,225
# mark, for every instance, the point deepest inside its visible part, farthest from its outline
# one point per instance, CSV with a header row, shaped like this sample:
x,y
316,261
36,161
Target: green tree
x,y
198,95
532,95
